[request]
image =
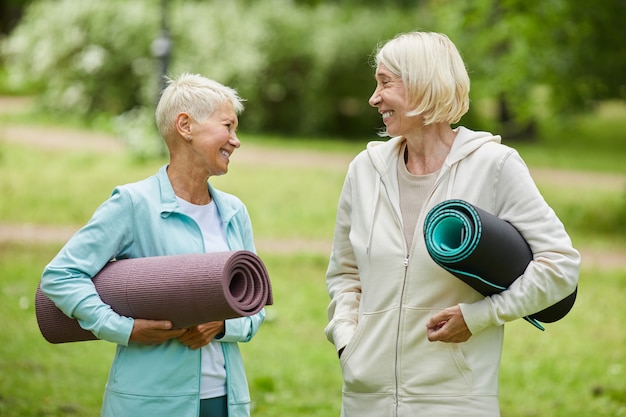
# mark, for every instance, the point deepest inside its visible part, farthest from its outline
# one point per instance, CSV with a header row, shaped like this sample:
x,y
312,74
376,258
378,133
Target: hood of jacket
x,y
466,141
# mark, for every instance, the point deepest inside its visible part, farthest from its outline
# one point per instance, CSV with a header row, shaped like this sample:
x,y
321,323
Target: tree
x,y
514,48
10,13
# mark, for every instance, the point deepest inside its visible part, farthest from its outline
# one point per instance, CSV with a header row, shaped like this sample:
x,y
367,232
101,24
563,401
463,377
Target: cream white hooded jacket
x,y
382,297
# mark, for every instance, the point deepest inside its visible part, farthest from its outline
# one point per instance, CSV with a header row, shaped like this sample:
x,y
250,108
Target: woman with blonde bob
x,y
413,339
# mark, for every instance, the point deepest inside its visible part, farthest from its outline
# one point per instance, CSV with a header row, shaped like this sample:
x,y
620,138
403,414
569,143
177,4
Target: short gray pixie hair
x,y
193,94
433,72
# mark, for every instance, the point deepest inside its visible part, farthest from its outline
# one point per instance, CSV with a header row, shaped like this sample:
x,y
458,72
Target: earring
x,y
188,138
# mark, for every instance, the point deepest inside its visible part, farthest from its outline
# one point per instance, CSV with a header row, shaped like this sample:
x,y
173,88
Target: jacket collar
x,y
168,198
169,204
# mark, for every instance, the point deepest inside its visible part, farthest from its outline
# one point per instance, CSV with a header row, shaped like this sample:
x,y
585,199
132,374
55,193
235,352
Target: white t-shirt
x,y
213,376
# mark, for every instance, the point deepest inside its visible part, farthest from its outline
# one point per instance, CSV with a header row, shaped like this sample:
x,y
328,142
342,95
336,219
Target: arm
x,y
552,274
67,278
342,277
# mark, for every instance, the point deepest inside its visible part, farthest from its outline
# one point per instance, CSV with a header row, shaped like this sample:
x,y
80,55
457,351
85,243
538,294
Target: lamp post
x,y
162,47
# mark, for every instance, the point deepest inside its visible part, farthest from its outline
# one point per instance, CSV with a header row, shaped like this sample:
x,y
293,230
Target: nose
x,y
374,100
234,140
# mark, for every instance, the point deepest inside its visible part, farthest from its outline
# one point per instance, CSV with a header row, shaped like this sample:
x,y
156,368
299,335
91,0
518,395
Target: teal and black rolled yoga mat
x,y
484,251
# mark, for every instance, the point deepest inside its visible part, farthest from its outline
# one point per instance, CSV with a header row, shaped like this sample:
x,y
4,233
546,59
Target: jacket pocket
x,y
167,369
123,405
430,368
368,360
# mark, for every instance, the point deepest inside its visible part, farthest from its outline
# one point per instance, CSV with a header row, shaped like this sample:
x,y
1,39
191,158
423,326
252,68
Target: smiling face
x,y
214,140
389,98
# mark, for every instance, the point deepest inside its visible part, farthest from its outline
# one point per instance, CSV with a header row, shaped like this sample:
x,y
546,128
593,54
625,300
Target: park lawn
x,y
575,367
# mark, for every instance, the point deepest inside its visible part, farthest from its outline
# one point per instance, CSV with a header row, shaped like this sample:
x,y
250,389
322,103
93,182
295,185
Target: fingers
x,y
151,332
201,335
448,326
436,332
160,324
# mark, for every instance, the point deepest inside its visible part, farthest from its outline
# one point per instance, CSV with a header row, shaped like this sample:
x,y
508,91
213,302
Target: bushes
x,y
304,70
86,57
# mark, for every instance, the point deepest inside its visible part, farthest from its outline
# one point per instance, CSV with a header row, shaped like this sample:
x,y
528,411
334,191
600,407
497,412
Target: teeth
x,y
226,154
387,114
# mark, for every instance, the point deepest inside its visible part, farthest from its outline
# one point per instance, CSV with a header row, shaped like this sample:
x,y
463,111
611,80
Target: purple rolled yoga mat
x,y
185,289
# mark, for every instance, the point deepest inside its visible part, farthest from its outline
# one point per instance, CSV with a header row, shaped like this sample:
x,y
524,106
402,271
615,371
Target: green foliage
x,y
303,64
85,56
564,51
595,141
303,69
138,130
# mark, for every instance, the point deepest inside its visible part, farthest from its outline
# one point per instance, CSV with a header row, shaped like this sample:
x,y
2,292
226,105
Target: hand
x,y
448,326
197,336
152,332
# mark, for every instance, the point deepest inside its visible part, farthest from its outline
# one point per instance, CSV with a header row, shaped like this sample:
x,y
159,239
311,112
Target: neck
x,y
188,184
428,147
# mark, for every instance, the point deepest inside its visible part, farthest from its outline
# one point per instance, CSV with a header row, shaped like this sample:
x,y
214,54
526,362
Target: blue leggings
x,y
214,407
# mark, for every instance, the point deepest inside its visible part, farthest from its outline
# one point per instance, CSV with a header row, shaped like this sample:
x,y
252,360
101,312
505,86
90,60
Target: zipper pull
x,y
406,260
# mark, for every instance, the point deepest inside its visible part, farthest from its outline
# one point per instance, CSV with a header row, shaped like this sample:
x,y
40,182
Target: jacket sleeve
x,y
242,329
67,279
552,275
342,277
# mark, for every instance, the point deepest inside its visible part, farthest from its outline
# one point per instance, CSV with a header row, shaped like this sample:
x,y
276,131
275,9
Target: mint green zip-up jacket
x,y
138,220
382,296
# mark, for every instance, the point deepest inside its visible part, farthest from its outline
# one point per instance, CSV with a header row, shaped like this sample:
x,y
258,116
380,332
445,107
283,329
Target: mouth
x,y
225,153
386,115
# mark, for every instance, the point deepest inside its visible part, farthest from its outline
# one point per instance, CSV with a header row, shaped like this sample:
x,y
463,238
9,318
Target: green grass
x,y
577,367
39,379
59,187
292,369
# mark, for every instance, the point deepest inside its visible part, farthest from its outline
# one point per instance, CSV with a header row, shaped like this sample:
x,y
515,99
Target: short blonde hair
x,y
433,72
194,94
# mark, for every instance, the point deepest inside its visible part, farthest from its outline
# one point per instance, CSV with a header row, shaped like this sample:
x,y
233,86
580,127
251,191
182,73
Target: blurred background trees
x,y
10,13
304,66
532,59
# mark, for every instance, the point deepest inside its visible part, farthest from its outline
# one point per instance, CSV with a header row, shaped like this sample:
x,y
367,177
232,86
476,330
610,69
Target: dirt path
x,y
58,138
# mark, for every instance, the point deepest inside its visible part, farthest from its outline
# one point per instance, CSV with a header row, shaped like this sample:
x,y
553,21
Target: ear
x,y
183,124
